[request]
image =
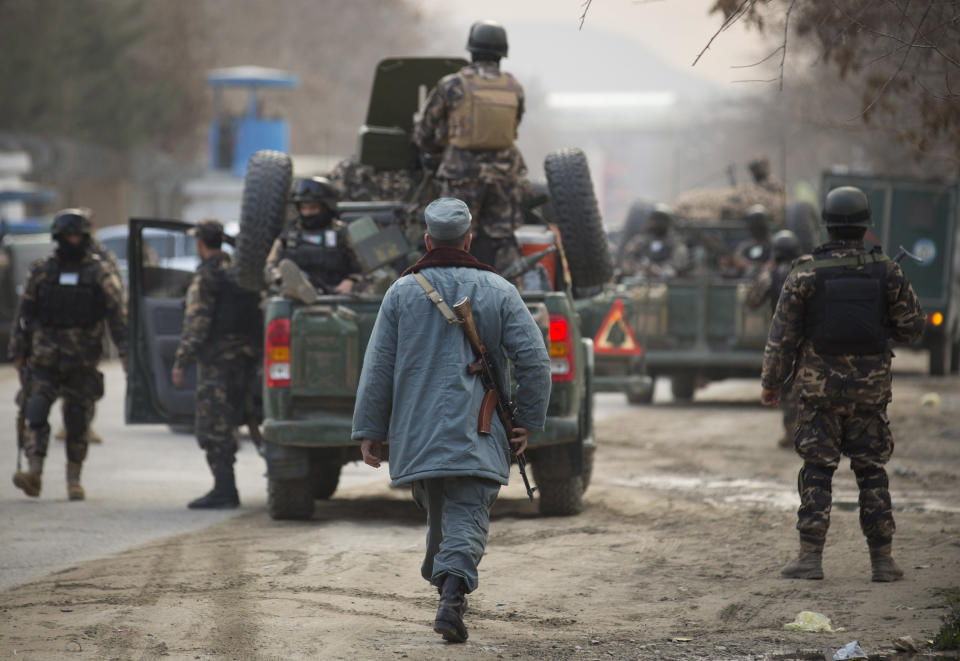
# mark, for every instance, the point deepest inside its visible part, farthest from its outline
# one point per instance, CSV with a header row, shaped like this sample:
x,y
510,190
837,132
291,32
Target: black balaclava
x,y
69,252
317,221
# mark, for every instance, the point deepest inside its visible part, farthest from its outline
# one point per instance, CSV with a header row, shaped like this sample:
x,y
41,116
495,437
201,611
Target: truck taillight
x,y
276,354
560,349
936,318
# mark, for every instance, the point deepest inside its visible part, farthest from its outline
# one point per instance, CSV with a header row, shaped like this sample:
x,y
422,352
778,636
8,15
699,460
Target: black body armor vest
x,y
848,311
70,297
237,310
660,250
325,261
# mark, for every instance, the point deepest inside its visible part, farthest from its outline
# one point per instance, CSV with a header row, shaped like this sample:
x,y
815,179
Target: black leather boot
x,y
449,622
224,493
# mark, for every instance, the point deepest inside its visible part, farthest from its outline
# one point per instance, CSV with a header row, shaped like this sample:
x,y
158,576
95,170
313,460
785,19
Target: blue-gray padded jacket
x,y
415,388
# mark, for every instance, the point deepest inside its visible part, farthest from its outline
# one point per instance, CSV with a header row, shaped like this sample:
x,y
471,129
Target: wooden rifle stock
x,y
491,380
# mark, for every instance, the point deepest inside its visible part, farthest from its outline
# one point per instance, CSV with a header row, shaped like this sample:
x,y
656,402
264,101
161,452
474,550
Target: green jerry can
x,y
327,339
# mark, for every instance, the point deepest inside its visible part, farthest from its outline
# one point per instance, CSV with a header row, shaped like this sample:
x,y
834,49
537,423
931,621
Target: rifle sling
x,y
436,299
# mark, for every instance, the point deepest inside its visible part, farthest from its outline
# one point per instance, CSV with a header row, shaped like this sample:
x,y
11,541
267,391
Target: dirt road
x,y
676,556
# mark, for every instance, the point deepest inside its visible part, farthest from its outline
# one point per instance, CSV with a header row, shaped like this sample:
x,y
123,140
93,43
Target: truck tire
x,y
578,218
563,497
955,357
289,499
587,468
262,213
940,358
802,219
558,496
324,476
682,386
637,399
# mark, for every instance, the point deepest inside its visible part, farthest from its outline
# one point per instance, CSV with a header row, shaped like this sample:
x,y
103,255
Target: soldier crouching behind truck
x,y
316,243
417,384
766,289
221,332
836,314
58,336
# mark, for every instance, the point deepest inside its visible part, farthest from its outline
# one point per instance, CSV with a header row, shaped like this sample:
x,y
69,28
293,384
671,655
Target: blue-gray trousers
x,y
458,523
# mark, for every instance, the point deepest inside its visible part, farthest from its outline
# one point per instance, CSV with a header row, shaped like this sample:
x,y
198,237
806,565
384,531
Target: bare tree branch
x,y
743,7
747,66
586,7
786,33
886,83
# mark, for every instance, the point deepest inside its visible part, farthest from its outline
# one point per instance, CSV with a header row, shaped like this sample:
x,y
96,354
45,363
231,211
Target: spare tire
x,y
578,218
262,212
802,219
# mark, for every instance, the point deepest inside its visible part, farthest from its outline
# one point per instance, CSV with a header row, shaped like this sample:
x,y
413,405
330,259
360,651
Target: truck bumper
x,y
334,431
638,385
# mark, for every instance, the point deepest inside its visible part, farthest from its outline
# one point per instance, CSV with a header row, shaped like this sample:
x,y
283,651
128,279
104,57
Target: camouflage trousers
x,y
79,387
788,407
223,400
496,210
827,431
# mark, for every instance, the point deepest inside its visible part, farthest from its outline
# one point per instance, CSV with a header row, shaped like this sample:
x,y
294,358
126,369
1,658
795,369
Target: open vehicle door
x,y
158,285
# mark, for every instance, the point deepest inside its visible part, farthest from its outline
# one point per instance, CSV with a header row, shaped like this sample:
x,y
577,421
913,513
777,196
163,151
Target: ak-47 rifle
x,y
486,367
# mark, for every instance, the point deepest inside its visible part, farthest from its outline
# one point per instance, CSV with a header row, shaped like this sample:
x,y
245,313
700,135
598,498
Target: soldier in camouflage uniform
x,y
759,168
58,337
836,314
753,253
316,241
110,261
221,332
658,251
766,289
470,124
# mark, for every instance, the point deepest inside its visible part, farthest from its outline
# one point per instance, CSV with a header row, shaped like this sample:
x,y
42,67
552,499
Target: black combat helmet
x,y
76,221
758,221
846,206
487,37
315,189
660,220
786,246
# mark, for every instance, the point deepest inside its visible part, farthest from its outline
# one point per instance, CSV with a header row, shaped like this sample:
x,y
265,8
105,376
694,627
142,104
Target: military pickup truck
x,y
313,352
922,217
693,328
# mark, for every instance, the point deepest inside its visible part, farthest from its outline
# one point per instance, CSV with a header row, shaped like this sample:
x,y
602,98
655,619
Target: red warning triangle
x,y
615,335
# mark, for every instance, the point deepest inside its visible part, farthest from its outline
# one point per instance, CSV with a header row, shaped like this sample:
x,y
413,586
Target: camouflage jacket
x,y
363,183
431,134
68,347
862,379
767,285
198,318
667,256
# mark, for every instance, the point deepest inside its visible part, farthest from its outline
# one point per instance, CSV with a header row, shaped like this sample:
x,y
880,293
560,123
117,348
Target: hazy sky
x,y
675,30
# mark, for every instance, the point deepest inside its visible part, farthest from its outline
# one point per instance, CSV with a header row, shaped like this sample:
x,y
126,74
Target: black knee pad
x,y
873,477
812,475
75,420
37,410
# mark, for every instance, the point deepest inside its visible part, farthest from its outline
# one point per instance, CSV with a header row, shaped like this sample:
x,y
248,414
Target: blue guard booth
x,y
233,139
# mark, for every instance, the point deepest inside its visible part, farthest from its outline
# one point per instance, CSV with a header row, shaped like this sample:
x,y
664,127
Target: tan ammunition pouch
x,y
486,118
